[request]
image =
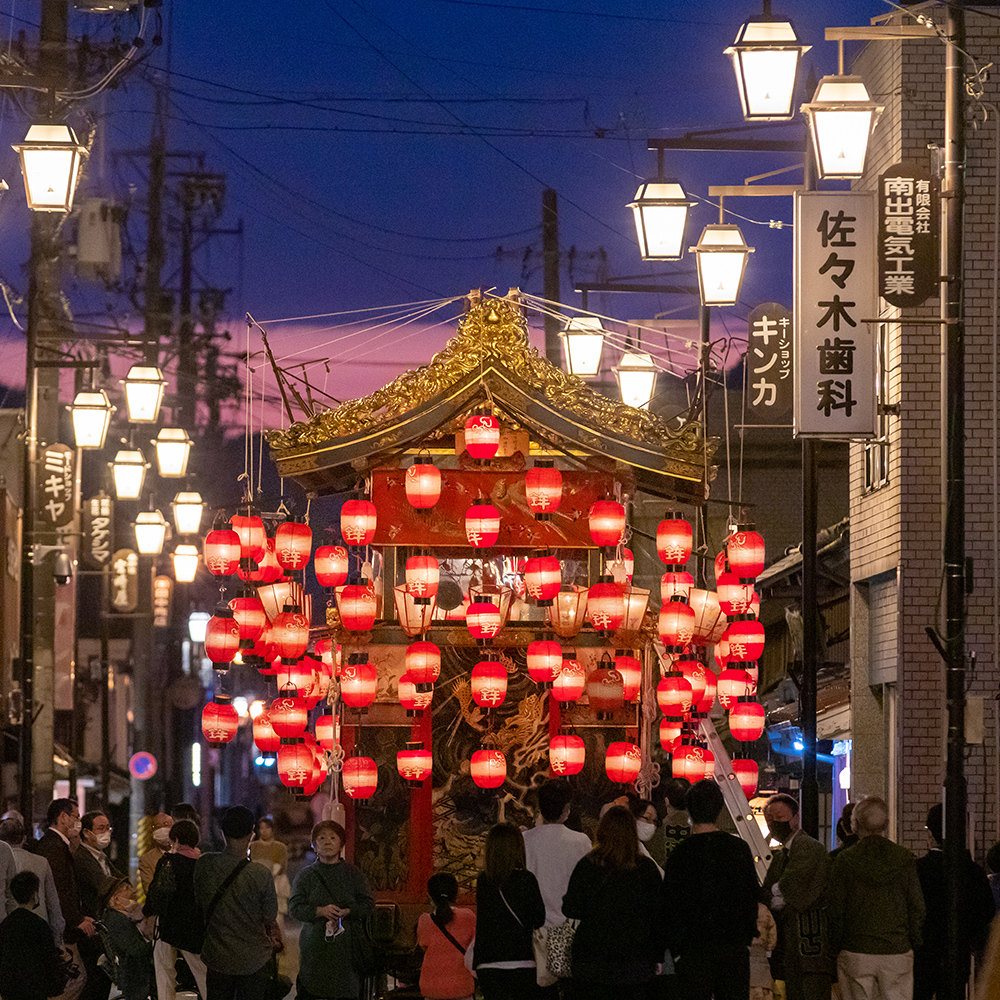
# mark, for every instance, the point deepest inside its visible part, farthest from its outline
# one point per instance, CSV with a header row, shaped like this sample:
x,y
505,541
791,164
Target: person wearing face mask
x,y
794,890
95,875
645,826
148,860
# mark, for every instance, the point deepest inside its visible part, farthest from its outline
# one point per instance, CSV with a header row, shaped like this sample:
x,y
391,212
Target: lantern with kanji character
x,y
675,581
631,670
674,694
250,619
356,603
482,436
606,520
571,680
674,538
422,483
693,672
566,754
605,689
543,488
414,764
733,682
290,631
358,519
623,762
331,565
482,524
745,549
265,570
413,697
222,636
264,736
606,604
423,663
676,623
746,720
358,681
422,577
543,578
219,721
296,765
735,595
745,636
222,552
250,529
326,732
489,683
747,773
488,768
360,777
544,660
689,760
288,717
293,544
483,620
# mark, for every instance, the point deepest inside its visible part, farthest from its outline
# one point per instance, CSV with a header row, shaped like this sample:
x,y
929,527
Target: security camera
x,y
63,569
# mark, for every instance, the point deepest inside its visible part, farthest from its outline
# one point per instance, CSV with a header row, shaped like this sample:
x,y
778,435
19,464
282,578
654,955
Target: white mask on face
x,y
645,830
162,836
75,827
103,839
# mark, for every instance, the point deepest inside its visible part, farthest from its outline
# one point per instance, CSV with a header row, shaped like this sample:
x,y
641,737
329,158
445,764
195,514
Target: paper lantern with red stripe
x,y
689,761
414,764
293,544
671,728
482,524
326,732
676,623
422,577
222,636
606,604
413,697
482,436
675,581
489,683
482,619
631,670
544,660
250,529
219,722
422,483
606,520
745,549
566,754
290,631
745,636
358,520
357,607
360,777
747,773
358,681
674,539
543,487
221,552
250,619
264,736
422,663
694,672
623,762
488,768
331,565
735,595
571,679
674,695
605,689
288,717
746,720
267,569
543,578
733,682
296,765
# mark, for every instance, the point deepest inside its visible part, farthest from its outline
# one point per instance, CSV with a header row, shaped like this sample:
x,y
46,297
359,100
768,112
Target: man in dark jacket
x,y
30,963
976,911
875,910
710,894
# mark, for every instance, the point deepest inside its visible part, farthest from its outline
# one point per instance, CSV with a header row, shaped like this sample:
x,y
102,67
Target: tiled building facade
x,y
897,512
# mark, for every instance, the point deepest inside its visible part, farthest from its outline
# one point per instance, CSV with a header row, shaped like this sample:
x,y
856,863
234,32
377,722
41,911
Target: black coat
x,y
503,936
171,899
55,850
30,963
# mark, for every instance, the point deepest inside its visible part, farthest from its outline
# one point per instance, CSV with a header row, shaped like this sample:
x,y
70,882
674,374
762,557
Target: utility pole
x,y
550,257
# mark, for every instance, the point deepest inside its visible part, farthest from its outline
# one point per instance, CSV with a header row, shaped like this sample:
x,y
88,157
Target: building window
x,y
877,450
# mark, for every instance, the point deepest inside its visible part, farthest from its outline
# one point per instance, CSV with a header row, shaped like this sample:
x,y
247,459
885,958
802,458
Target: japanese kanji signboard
x,y
769,363
125,581
55,486
835,291
163,589
98,514
909,224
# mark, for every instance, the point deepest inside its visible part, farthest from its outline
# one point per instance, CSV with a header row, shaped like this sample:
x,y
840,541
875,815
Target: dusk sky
x,y
388,153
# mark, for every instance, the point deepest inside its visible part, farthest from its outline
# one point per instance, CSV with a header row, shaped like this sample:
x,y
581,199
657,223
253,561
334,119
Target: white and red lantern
x,y
489,683
360,777
745,549
690,761
746,720
674,694
357,606
543,578
293,544
483,620
747,773
735,595
296,765
693,672
423,663
290,631
606,604
414,764
250,529
734,682
221,552
676,581
671,728
358,681
745,636
267,568
222,636
566,754
543,486
288,717
423,485
674,539
250,619
482,524
676,623
413,697
331,565
264,736
605,689
606,520
358,520
326,732
219,722
544,660
482,436
489,768
422,577
631,670
623,762
571,680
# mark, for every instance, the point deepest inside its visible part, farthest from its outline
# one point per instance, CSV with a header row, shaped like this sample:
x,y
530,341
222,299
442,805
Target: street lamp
x,y
841,118
583,337
765,59
91,413
150,532
129,472
722,258
661,211
50,163
144,388
636,376
188,508
173,448
185,559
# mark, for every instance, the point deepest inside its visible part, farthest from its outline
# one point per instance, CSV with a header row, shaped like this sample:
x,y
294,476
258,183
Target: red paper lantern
x,y
219,722
543,486
623,762
423,485
566,755
422,577
543,578
222,636
414,764
746,720
631,670
296,765
482,436
676,623
250,619
423,662
290,631
689,761
264,648
358,681
293,544
268,570
733,683
606,604
544,661
329,656
571,680
360,776
676,581
414,697
288,717
326,732
356,603
694,672
264,736
674,694
482,524
483,620
671,728
746,772
489,768
330,564
607,523
735,595
222,552
358,519
489,683
745,636
605,690
674,539
745,549
250,530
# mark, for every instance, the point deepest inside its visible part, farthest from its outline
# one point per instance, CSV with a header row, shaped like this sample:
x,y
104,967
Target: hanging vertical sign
x,y
768,367
163,589
835,291
909,226
98,544
55,486
124,581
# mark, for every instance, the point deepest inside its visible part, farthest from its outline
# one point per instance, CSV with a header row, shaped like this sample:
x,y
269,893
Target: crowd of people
x,y
648,909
